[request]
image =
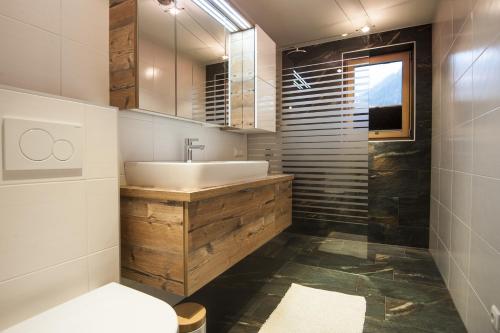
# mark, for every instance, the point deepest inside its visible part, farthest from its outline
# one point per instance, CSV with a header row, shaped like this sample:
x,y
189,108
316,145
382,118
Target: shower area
x,y
350,180
322,138
360,205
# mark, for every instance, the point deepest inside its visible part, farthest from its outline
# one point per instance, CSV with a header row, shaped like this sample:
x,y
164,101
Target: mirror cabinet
x,y
252,81
179,61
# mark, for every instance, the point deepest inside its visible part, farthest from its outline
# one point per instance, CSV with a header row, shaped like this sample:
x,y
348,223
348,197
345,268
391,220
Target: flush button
x,y
63,150
36,144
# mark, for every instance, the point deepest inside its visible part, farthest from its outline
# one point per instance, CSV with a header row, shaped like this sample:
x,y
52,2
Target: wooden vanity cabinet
x,y
180,241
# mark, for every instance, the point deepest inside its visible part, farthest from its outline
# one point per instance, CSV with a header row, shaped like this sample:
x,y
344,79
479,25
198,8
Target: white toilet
x,y
111,308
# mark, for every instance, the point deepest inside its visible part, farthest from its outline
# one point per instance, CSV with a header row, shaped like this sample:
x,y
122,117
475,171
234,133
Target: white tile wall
x,y
35,229
59,233
458,288
104,267
462,147
465,240
484,270
444,225
445,187
44,14
486,210
478,319
461,196
56,46
145,137
84,72
36,292
30,56
86,21
486,155
460,245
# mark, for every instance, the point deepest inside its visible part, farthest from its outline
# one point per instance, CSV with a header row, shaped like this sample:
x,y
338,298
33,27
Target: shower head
x,y
296,50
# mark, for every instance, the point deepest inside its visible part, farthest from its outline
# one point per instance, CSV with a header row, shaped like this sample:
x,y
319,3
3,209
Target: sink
x,y
184,176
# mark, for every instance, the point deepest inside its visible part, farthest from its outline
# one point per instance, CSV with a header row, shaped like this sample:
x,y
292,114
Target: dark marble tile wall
x,y
399,183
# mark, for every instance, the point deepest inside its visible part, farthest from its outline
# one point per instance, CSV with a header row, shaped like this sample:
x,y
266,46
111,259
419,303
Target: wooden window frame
x,y
407,93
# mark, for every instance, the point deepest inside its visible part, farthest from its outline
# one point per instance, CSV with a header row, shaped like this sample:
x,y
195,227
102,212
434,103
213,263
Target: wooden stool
x,y
191,317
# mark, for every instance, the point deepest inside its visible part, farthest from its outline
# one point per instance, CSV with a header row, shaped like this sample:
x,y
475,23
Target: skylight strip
x,y
233,15
212,11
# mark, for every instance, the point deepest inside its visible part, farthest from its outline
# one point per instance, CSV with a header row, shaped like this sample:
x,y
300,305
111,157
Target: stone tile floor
x,y
402,286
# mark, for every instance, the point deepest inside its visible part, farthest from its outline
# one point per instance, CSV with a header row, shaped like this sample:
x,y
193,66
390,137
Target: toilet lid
x,y
111,308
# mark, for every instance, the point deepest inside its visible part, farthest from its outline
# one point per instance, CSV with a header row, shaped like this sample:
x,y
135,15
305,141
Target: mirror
x,y
182,62
201,65
156,58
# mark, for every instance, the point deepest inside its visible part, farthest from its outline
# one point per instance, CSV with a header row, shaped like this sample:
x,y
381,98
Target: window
x,y
389,94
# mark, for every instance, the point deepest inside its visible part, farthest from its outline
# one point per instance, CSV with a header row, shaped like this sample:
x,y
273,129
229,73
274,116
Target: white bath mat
x,y
307,310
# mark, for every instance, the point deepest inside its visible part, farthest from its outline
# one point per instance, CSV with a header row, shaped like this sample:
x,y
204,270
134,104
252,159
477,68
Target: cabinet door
x,y
265,82
236,80
265,116
249,79
253,81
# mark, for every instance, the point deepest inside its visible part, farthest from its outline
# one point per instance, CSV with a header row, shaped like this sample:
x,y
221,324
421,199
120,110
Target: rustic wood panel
x,y
201,194
152,243
123,53
283,211
180,246
225,229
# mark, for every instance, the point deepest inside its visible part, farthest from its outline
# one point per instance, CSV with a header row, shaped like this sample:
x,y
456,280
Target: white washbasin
x,y
183,176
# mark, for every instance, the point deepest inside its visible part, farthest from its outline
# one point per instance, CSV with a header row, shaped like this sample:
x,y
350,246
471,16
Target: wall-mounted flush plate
x,y
39,145
495,318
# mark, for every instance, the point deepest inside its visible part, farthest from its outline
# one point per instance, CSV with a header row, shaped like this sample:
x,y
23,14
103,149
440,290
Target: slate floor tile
x,y
402,286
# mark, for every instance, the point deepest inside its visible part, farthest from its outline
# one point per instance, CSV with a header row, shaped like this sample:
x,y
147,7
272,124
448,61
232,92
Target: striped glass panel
x,y
210,102
322,138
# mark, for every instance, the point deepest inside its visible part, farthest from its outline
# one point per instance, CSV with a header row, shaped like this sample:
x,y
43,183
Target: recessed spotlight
x,y
345,34
365,29
174,11
149,72
225,57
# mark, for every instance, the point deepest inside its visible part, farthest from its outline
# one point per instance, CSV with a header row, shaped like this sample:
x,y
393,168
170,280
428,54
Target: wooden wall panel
x,y
123,53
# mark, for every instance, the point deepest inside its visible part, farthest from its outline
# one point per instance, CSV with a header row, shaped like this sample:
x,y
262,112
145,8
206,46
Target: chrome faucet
x,y
188,149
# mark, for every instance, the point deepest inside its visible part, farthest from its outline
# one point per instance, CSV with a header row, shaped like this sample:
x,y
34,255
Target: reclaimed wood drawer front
x,y
152,243
181,246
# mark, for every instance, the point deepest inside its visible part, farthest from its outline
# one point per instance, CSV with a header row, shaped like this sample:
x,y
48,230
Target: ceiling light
x,y
339,70
225,57
169,6
345,34
149,72
174,11
365,29
212,11
233,15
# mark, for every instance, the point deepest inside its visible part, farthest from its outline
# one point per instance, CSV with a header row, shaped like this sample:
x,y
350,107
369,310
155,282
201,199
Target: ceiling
x,y
298,22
